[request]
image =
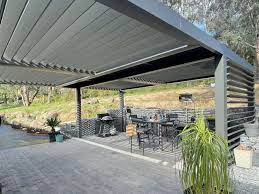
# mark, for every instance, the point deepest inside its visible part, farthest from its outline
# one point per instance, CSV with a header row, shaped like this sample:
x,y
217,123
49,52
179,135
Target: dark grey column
x,y
221,97
78,112
122,106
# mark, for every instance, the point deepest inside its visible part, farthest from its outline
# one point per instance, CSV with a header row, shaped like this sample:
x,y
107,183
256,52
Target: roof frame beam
x,y
138,62
173,60
147,83
141,81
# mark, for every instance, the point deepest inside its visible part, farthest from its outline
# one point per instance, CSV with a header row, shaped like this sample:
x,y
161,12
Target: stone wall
x,y
91,126
183,114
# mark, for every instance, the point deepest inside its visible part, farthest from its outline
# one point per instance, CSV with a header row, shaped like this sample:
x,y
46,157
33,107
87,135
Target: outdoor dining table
x,y
159,128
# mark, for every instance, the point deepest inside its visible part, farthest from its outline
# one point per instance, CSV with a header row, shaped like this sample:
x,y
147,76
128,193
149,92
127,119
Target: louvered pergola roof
x,y
105,44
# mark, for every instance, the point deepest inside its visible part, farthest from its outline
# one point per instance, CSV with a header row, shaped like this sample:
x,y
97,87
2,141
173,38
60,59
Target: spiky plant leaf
x,y
205,160
53,122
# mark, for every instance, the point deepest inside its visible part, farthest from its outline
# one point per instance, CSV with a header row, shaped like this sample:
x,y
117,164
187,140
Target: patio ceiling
x,y
111,44
178,70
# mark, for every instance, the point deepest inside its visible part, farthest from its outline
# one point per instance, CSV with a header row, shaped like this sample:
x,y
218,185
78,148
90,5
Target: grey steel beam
x,y
78,112
178,59
221,96
136,63
142,81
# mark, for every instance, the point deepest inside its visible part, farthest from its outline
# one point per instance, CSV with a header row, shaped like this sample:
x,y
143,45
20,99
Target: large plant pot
x,y
243,158
52,137
59,138
252,130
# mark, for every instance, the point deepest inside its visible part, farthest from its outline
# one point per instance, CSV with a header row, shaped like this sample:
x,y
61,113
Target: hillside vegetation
x,y
94,102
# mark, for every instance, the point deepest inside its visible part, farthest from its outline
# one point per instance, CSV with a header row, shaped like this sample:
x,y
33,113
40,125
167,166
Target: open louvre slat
x,y
233,139
3,3
240,73
240,96
240,102
240,90
240,79
238,125
240,119
241,69
239,84
235,132
239,113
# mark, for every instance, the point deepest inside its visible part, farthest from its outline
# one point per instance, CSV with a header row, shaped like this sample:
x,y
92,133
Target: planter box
x,y
243,158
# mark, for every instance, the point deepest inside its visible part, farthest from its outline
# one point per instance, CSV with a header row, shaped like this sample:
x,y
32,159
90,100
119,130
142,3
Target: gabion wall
x,y
182,113
91,126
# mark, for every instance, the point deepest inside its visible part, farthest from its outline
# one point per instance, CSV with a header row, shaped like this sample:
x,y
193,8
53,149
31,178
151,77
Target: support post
x,y
122,106
221,96
78,112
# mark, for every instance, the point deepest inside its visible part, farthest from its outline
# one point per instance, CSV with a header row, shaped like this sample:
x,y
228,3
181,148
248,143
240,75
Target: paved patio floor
x,y
121,141
247,180
77,167
10,138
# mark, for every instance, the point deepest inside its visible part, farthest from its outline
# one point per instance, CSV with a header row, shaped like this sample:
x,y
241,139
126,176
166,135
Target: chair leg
x,y
139,141
167,134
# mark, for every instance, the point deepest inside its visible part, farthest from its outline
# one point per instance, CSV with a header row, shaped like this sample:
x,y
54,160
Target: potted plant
x,y
53,122
205,160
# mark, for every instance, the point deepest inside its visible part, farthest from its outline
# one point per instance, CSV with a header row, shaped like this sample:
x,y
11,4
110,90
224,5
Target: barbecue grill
x,y
106,127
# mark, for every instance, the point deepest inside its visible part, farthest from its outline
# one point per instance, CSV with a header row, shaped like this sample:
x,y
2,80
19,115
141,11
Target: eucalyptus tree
x,y
234,22
28,94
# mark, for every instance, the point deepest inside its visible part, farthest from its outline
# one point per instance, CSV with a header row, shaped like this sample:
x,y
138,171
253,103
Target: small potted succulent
x,y
53,122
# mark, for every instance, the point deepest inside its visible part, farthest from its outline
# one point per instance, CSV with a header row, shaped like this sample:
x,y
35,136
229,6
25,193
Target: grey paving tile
x,y
76,167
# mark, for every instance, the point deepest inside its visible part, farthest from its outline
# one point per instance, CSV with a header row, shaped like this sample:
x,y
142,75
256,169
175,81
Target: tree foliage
x,y
234,22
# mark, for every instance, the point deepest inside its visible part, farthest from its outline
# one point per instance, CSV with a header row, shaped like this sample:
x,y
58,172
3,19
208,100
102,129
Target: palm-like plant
x,y
205,160
53,122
